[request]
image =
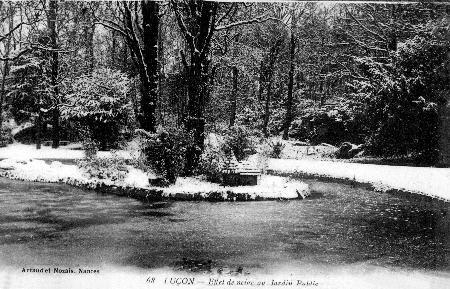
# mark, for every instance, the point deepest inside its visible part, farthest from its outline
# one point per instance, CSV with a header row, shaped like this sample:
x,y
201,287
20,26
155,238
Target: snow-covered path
x,y
433,182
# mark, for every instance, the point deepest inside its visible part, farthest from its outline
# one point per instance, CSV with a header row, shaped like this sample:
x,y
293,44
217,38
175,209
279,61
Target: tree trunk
x,y
267,110
88,35
124,58
261,81
198,79
21,27
234,96
5,71
113,49
161,61
149,71
2,92
38,124
125,48
195,121
52,19
392,38
90,48
290,98
272,59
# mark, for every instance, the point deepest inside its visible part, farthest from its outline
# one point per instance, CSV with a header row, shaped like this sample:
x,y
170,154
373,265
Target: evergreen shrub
x,y
241,141
100,106
276,149
165,151
112,168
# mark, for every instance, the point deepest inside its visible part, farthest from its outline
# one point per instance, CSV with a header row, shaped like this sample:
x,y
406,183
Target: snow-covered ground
x,y
39,171
434,182
429,181
269,187
74,151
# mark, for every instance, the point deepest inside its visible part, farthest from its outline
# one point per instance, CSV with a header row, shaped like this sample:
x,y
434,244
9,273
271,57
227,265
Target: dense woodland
x,y
175,71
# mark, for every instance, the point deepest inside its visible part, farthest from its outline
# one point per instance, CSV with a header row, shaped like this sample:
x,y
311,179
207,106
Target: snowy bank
x,y
46,152
135,184
269,187
433,182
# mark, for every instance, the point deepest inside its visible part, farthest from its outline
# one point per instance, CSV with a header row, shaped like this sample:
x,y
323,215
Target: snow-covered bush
x,y
250,115
100,105
330,125
113,168
403,97
276,149
90,148
30,90
241,141
212,159
5,137
165,152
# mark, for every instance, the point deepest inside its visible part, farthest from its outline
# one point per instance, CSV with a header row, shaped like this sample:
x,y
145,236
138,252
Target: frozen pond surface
x,y
48,224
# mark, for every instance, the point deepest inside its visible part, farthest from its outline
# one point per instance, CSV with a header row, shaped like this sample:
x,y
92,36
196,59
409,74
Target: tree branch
x,y
117,29
15,57
259,19
187,35
210,32
134,44
364,27
183,59
3,37
362,44
226,13
136,20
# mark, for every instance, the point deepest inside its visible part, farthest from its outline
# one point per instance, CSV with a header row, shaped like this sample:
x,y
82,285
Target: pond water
x,y
48,224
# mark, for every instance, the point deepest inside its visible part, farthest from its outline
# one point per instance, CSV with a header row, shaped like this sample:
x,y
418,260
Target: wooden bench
x,y
239,173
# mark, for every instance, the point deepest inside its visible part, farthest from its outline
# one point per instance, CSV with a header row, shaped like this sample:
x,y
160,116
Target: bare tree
x,y
296,12
269,74
52,19
5,71
138,25
198,20
290,98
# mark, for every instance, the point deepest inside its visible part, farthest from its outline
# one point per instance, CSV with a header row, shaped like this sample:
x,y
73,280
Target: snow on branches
x,y
102,96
